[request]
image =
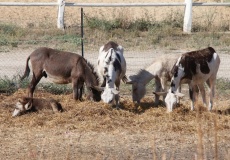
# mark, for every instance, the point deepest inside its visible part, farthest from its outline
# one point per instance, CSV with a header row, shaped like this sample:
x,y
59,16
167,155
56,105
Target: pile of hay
x,y
98,116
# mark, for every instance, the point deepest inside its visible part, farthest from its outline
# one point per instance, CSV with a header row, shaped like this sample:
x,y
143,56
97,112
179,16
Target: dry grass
x,y
89,115
90,130
47,16
155,129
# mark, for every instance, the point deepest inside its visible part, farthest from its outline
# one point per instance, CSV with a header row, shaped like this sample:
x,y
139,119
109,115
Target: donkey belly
x,y
58,79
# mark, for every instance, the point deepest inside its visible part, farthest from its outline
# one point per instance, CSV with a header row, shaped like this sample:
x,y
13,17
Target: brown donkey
x,y
24,105
62,68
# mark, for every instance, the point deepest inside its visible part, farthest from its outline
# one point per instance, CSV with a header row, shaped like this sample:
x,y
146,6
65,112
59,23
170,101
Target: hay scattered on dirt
x,y
89,129
98,116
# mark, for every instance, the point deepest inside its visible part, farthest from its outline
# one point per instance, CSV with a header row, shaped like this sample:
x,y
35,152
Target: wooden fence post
x,y
188,17
61,10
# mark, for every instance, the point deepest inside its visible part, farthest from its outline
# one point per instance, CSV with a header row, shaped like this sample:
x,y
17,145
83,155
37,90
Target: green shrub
x,y
56,88
102,24
118,23
223,84
141,25
8,29
9,85
4,41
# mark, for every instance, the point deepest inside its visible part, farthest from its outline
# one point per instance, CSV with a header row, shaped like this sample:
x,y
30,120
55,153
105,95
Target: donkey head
x,y
171,99
94,94
22,106
108,94
138,88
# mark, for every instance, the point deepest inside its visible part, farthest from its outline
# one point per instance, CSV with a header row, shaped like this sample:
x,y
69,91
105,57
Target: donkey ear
x,y
28,105
22,100
98,88
115,91
130,80
160,93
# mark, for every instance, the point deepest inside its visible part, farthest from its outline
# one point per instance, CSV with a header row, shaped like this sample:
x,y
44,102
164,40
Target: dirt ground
x,y
90,130
135,59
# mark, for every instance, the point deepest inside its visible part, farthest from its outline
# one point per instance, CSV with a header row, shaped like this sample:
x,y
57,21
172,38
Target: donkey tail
x,y
27,70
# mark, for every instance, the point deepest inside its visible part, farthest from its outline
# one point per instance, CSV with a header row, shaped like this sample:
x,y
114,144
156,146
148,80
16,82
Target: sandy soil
x,y
88,130
135,60
97,131
35,137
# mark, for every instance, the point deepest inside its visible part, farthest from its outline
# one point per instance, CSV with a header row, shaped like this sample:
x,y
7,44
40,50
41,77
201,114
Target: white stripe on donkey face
x,y
112,67
200,67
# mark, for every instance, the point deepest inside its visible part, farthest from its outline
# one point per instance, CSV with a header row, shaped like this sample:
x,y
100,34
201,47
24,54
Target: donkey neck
x,y
90,76
144,76
111,76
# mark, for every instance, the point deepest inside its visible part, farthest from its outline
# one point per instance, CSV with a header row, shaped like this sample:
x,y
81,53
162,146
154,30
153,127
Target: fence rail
x,y
61,8
109,4
29,4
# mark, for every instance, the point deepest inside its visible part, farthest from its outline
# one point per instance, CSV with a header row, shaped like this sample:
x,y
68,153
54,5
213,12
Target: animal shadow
x,y
223,112
140,108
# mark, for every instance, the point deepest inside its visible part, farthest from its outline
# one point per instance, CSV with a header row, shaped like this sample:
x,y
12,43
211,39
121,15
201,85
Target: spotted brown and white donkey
x,y
200,67
112,67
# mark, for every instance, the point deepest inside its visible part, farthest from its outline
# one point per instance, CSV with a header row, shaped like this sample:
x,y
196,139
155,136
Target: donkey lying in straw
x,y
27,104
112,67
160,70
199,66
63,68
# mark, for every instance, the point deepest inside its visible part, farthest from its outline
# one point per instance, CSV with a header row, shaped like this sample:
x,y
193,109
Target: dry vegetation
x,y
90,130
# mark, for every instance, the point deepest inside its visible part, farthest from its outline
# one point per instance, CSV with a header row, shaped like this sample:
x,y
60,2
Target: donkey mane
x,y
142,74
91,66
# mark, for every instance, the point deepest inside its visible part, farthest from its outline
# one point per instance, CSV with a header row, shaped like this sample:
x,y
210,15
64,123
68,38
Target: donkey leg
x,y
192,94
211,83
203,94
33,84
76,94
158,88
164,87
80,93
77,89
117,97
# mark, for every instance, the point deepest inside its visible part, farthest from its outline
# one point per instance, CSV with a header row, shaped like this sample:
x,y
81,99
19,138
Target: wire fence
x,y
13,62
13,59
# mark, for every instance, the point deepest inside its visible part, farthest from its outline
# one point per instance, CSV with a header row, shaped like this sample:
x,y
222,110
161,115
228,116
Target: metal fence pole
x,y
82,33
